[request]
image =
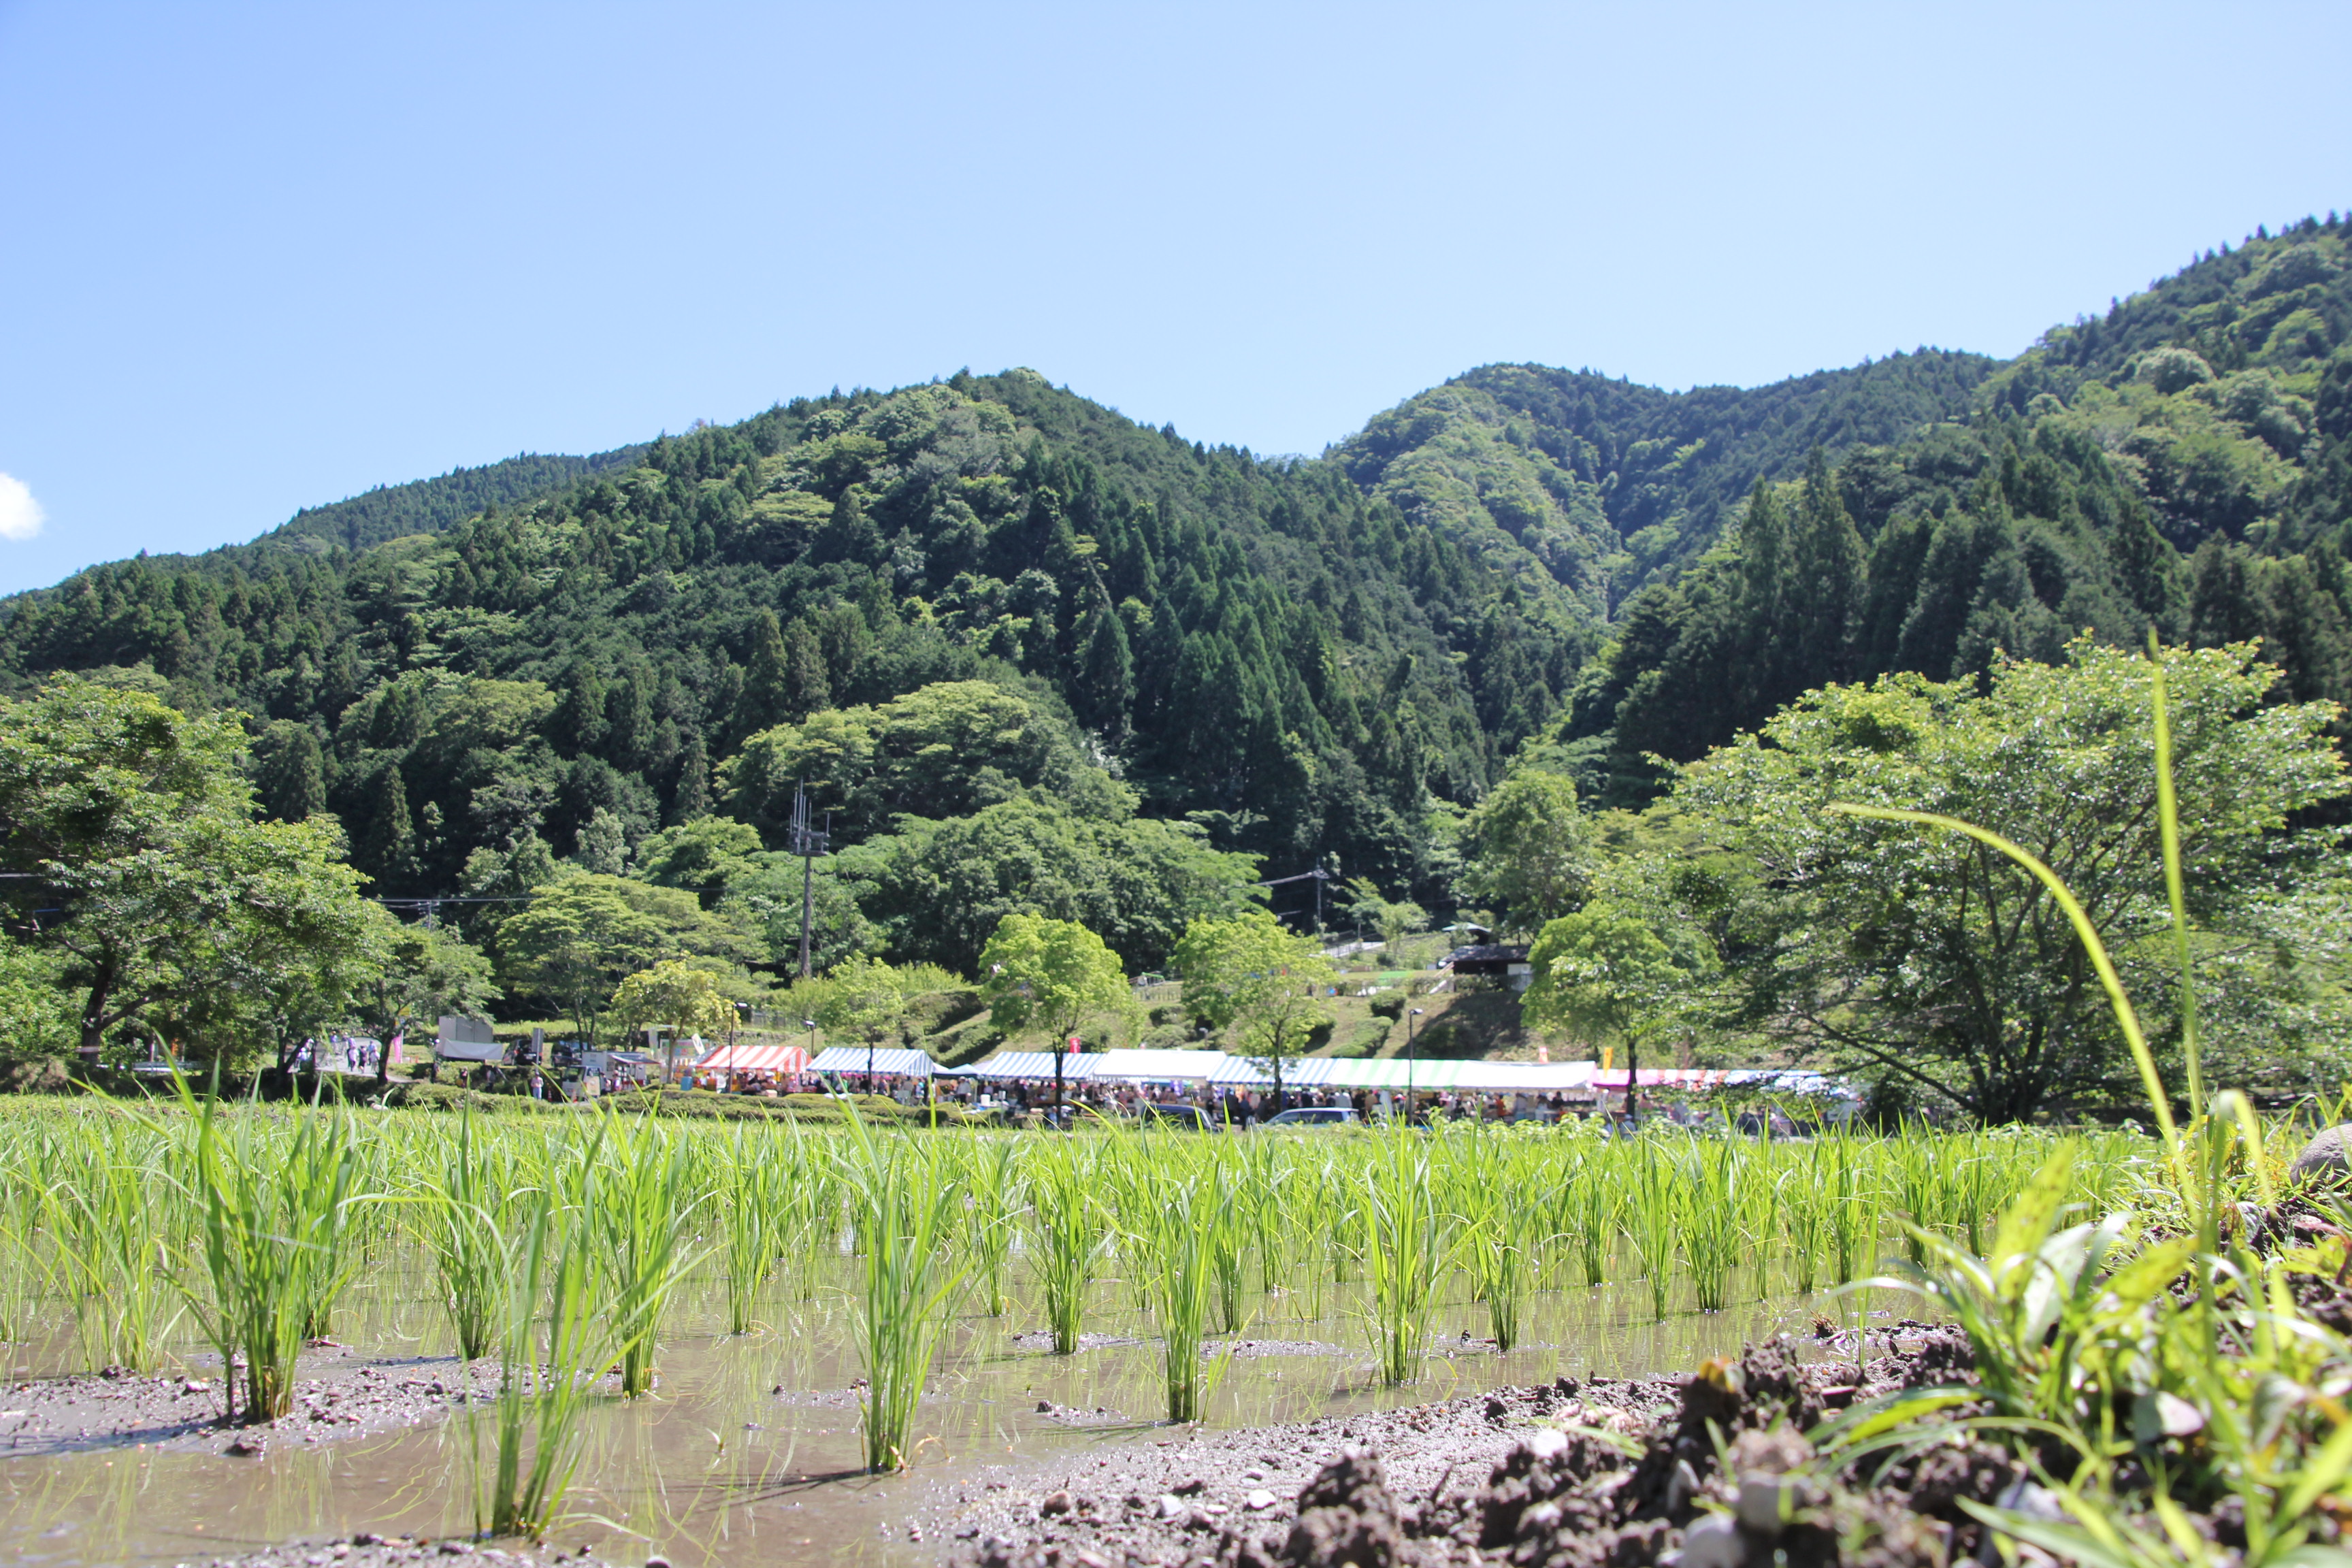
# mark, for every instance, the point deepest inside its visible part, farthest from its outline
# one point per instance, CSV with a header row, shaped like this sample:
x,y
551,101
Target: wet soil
x,y
368,1550
350,1396
1591,1473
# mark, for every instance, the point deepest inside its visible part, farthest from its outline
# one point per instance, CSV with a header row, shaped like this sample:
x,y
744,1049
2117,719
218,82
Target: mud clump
x,y
1346,1517
1712,1471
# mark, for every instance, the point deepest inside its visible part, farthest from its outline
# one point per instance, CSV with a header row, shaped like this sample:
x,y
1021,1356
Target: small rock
x,y
1259,1500
1713,1542
1045,1407
1191,1487
1169,1506
1092,1558
247,1446
2327,1157
1679,1487
2032,1501
1766,1502
1055,1502
657,1562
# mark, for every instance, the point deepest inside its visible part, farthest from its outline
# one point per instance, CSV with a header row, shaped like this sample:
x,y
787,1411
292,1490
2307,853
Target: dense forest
x,y
1026,653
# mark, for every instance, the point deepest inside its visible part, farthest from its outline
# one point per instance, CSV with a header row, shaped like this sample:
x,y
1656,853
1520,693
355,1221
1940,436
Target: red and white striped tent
x,y
778,1060
1671,1077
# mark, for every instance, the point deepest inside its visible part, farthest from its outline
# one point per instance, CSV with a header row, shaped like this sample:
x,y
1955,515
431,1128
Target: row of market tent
x,y
1220,1069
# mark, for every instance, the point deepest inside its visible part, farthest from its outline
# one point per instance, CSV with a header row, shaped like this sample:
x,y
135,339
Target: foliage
x,y
129,829
583,933
1942,964
865,999
681,996
427,971
37,1018
1049,975
1529,849
1602,972
1393,918
937,889
1250,971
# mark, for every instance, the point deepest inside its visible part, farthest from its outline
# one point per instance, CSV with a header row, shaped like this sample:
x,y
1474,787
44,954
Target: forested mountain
x,y
2183,462
1028,652
1609,484
428,506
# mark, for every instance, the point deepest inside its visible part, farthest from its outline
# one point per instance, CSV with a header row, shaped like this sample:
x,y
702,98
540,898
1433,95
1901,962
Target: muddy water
x,y
748,1451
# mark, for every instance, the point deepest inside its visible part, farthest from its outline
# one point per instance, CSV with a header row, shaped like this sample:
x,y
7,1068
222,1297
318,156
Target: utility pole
x,y
808,843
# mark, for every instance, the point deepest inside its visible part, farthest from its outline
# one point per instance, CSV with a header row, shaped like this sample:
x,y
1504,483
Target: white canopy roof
x,y
898,1061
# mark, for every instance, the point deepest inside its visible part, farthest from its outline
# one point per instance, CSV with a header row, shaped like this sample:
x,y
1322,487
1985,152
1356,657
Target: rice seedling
x,y
1593,1198
904,1201
272,1209
1178,1245
641,1199
750,1206
464,1220
1405,1249
1853,1209
996,1186
543,1393
1070,1233
1709,1198
1804,1213
1650,1220
113,1259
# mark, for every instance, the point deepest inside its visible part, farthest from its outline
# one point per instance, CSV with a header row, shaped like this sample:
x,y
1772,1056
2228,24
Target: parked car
x,y
1313,1116
1184,1118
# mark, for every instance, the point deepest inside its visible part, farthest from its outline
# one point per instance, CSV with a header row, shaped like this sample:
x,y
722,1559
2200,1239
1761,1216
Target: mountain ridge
x,y
1306,661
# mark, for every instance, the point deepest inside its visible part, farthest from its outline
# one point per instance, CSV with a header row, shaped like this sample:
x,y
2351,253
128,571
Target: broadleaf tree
x,y
1605,972
1934,961
1050,975
1252,972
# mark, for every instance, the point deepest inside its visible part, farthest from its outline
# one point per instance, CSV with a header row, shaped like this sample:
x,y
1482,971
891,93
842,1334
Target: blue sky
x,y
253,257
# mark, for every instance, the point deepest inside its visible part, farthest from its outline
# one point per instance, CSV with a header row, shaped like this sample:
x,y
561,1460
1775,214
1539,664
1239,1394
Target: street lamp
x,y
1409,1065
810,1025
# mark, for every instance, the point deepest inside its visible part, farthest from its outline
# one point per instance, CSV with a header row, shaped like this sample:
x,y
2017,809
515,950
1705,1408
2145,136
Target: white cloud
x,y
20,514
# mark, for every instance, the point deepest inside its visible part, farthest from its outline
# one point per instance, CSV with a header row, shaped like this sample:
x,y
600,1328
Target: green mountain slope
x,y
2182,463
428,506
1030,654
1609,486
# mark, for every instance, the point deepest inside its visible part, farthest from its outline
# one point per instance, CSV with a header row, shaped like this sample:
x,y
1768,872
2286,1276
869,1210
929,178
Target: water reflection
x,y
747,1451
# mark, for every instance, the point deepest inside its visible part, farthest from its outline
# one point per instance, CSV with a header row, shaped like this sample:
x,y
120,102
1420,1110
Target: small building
x,y
1499,961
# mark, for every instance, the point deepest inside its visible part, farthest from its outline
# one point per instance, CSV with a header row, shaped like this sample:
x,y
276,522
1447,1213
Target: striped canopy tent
x,y
896,1060
1674,1077
1528,1077
1032,1064
1350,1072
782,1059
1160,1066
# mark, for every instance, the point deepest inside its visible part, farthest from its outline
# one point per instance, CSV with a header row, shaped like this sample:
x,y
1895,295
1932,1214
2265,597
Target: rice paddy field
x,y
754,1344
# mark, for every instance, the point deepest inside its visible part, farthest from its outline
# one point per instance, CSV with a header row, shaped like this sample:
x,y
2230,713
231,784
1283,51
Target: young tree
x,y
1251,971
680,996
1602,972
582,935
1393,919
865,999
1038,974
427,971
